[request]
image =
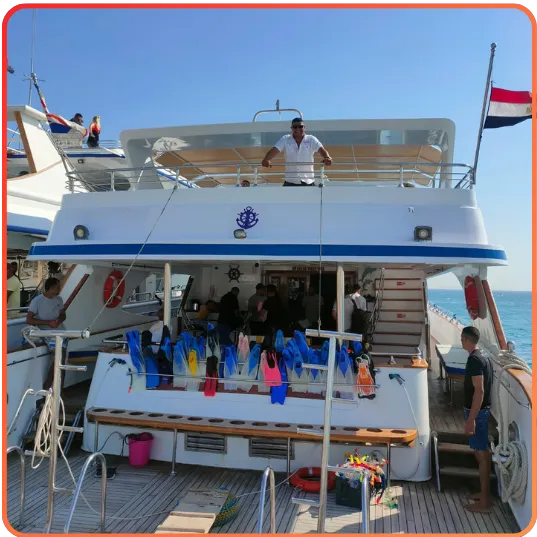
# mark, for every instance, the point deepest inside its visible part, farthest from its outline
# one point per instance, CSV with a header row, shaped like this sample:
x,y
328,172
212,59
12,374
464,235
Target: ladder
x,y
329,399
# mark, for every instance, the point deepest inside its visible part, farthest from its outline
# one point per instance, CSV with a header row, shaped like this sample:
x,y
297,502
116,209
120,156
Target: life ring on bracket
x,y
309,479
114,282
475,297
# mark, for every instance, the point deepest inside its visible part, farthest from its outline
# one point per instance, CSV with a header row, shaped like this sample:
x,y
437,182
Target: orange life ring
x,y
114,285
309,479
475,297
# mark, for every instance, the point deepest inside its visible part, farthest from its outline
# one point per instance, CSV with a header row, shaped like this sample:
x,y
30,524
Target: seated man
x,y
202,317
46,312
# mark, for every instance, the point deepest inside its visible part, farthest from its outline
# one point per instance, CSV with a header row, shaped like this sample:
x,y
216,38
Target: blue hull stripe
x,y
266,250
31,230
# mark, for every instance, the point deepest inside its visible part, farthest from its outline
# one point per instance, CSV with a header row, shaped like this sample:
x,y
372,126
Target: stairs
x,y
402,314
456,460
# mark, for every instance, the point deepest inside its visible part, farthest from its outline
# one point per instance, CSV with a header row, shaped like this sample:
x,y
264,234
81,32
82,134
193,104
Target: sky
x,y
139,68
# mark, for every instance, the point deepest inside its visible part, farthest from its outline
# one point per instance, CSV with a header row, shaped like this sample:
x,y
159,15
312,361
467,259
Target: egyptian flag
x,y
507,108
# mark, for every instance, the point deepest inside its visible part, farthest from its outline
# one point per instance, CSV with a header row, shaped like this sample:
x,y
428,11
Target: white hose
x,y
510,457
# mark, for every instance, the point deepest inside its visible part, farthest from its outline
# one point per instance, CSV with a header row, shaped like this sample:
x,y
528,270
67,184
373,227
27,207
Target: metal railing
x,y
14,143
434,437
78,489
107,144
398,174
268,473
20,452
446,314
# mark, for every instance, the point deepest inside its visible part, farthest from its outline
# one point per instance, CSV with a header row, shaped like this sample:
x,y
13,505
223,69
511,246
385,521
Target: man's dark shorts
x,y
480,440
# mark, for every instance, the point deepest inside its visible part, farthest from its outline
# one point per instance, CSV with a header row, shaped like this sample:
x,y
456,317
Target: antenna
x,y
32,74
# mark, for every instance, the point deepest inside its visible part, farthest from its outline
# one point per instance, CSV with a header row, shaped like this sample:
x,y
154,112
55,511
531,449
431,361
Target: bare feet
x,y
478,507
475,497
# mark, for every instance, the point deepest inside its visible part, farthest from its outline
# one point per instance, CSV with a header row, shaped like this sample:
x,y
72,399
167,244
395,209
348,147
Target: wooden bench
x,y
243,428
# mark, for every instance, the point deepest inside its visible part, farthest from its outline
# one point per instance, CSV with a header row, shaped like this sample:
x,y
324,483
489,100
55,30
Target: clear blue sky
x,y
153,67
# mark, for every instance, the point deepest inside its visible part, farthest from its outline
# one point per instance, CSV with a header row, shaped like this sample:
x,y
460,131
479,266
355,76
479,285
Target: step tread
x,y
384,299
391,332
399,279
452,447
458,471
382,310
400,321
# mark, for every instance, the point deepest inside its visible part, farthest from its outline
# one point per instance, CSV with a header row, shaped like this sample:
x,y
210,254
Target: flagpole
x,y
483,111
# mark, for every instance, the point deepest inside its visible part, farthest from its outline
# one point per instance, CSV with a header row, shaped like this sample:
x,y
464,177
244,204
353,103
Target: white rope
x,y
510,457
43,434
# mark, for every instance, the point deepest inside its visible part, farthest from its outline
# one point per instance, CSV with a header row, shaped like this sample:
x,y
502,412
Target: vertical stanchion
x,y
54,432
365,502
326,434
167,319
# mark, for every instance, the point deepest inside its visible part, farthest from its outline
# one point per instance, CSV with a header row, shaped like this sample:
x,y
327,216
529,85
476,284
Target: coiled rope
x,y
510,457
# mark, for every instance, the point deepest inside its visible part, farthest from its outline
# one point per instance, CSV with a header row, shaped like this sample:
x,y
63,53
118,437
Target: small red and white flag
x,y
507,108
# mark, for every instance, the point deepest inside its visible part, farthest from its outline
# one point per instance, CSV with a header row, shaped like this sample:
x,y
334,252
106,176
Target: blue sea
x,y
514,308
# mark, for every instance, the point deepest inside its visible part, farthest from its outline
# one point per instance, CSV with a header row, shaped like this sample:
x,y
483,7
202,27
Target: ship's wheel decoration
x,y
234,273
247,218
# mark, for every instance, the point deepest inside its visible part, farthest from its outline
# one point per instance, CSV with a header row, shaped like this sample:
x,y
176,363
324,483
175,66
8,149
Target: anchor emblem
x,y
247,219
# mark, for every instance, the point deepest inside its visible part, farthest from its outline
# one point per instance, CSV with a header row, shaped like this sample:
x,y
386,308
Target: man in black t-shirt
x,y
229,319
477,400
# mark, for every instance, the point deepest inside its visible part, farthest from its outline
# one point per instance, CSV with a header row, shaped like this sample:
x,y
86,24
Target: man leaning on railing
x,y
298,147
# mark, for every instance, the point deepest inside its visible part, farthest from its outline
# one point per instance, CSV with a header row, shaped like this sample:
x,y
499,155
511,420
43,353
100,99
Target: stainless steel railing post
x,y
20,452
79,488
59,335
365,502
268,473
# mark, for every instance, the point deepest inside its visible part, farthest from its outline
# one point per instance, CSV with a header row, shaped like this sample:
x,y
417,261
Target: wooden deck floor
x,y
135,493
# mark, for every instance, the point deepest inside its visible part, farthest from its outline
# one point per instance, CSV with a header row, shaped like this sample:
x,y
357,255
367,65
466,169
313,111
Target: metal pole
x,y
326,434
267,474
20,453
288,457
340,299
54,432
483,111
32,58
89,460
174,450
168,294
365,502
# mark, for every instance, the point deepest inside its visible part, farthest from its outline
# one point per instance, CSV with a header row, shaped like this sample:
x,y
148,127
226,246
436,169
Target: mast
x,y
32,74
484,109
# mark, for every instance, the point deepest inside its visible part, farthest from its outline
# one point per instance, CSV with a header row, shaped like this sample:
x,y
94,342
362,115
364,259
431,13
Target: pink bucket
x,y
139,448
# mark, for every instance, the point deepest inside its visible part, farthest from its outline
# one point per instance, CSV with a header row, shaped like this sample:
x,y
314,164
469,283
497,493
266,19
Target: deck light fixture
x,y
423,233
81,233
239,233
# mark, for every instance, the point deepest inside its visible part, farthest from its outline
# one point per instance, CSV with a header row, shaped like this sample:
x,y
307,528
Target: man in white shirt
x,y
348,306
298,147
156,330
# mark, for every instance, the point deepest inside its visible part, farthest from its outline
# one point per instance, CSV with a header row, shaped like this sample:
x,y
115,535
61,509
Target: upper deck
x,y
418,152
364,212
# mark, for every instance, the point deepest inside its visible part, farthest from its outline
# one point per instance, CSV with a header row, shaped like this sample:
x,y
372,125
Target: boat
x,y
392,211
